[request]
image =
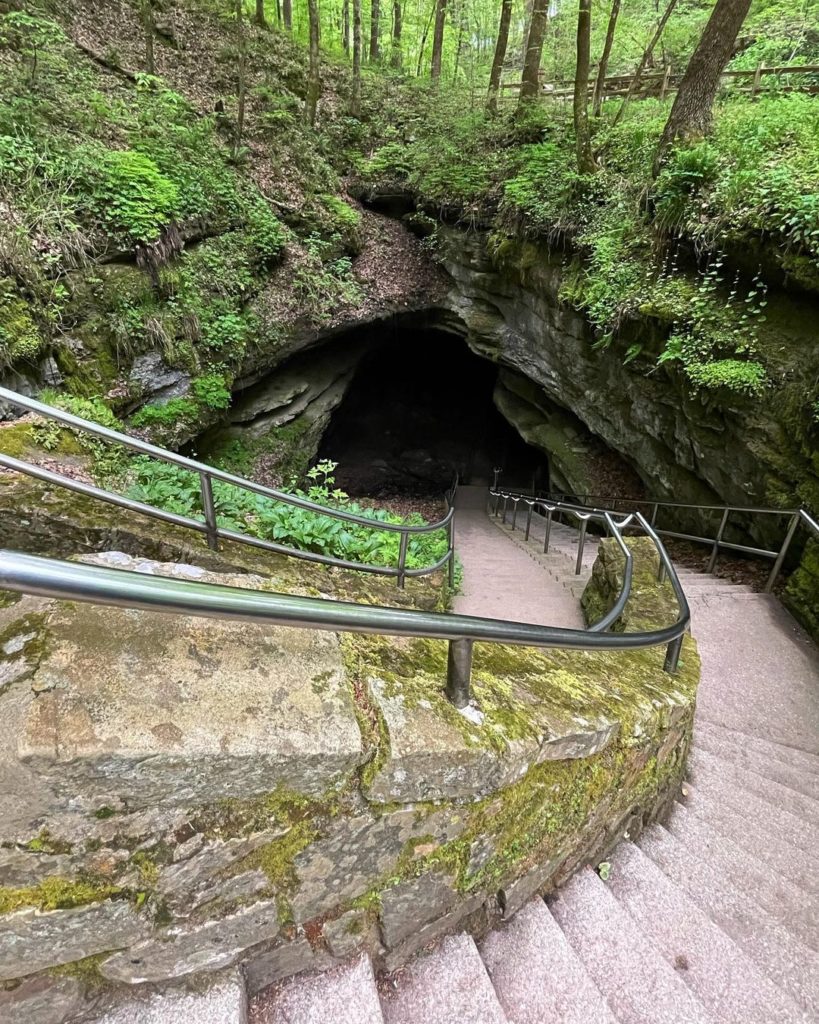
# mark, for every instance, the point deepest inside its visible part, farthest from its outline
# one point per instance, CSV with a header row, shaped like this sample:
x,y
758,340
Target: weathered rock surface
x,y
43,1000
215,709
31,940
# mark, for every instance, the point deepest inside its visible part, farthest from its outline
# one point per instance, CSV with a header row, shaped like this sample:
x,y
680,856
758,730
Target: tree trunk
x,y
375,19
530,79
424,35
585,158
600,83
355,97
147,12
313,79
438,39
287,14
692,111
649,50
397,25
345,26
261,20
241,40
500,55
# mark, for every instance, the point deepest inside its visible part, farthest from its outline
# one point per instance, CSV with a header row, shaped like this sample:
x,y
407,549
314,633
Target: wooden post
x,y
757,79
666,82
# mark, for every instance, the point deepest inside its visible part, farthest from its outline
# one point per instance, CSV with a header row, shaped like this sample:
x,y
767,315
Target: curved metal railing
x,y
796,517
210,526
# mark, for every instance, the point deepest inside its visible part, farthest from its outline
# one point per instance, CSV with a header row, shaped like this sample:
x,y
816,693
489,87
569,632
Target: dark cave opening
x,y
419,408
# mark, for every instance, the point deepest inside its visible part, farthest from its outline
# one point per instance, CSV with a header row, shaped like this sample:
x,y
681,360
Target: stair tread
x,y
709,962
786,902
786,961
803,808
343,995
787,826
223,1002
801,760
447,986
754,836
537,975
805,783
639,985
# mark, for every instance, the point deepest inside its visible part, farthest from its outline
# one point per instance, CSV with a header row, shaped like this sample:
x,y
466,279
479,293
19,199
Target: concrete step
x,y
638,983
223,1002
777,820
784,901
537,975
705,958
702,762
785,960
796,768
343,995
447,986
757,837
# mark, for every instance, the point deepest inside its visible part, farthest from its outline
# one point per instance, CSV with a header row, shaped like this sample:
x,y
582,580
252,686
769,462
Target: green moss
x,y
45,842
20,339
802,592
55,894
86,970
147,866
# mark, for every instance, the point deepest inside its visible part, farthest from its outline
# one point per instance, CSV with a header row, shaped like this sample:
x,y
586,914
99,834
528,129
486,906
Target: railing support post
x,y
497,504
672,655
206,488
548,531
580,545
459,672
402,559
451,566
515,503
712,561
529,512
780,558
505,506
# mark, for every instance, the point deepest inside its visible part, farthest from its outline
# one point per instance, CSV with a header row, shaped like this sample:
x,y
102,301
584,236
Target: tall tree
x,y
585,157
530,79
261,20
313,74
600,82
241,99
396,56
146,10
287,14
500,55
355,97
345,25
438,39
634,85
375,28
692,110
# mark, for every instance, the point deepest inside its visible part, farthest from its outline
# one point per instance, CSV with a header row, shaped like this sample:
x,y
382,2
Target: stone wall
x,y
187,795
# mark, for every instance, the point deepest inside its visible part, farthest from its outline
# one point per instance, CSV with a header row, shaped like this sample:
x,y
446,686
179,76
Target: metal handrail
x,y
717,543
210,526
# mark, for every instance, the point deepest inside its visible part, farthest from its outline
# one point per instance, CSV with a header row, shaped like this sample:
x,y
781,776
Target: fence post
x,y
666,82
208,508
531,509
459,672
402,559
757,79
672,655
505,506
580,545
451,567
548,531
780,558
515,503
712,561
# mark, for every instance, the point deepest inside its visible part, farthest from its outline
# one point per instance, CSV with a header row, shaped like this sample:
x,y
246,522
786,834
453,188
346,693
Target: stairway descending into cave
x,y
709,918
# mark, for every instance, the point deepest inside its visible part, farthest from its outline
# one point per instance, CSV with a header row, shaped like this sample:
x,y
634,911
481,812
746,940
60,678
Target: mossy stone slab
x,y
164,709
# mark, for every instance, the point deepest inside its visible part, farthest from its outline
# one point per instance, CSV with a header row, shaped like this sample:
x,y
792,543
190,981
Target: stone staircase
x,y
710,918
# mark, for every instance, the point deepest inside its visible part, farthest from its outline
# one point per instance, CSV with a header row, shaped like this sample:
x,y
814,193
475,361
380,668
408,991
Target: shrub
x,y
131,197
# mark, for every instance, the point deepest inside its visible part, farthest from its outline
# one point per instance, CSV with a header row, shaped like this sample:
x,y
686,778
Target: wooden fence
x,y
661,83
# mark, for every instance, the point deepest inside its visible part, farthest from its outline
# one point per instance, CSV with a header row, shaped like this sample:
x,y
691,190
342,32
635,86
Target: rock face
x,y
209,799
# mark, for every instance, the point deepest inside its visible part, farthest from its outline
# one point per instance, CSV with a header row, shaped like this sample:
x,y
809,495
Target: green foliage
x,y
212,390
166,414
107,459
20,338
131,197
746,377
177,490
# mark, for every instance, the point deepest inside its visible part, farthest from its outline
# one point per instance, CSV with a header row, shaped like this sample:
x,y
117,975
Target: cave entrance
x,y
419,407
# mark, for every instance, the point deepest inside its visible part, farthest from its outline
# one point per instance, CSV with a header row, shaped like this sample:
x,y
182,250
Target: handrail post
x,y
451,566
780,558
672,656
531,509
206,488
548,531
459,672
505,506
655,508
580,545
712,561
497,503
515,503
496,472
402,559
